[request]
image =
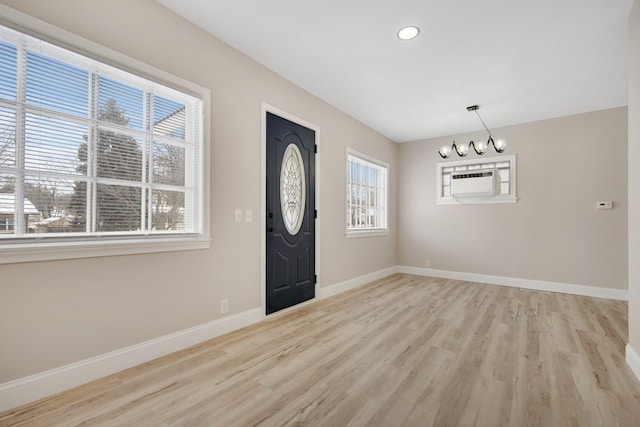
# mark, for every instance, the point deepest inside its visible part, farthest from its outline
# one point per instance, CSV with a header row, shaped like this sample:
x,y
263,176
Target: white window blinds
x,y
88,149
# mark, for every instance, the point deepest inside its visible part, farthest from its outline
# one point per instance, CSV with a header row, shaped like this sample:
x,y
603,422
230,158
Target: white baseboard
x,y
34,387
538,285
356,282
633,360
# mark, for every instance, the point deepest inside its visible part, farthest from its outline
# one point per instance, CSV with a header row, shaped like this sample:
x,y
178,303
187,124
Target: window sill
x,y
366,233
476,200
49,251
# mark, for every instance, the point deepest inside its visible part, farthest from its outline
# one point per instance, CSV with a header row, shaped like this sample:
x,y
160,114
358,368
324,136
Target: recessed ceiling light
x,y
408,33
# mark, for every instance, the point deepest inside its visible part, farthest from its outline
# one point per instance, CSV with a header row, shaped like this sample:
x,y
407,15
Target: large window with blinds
x,y
90,151
367,186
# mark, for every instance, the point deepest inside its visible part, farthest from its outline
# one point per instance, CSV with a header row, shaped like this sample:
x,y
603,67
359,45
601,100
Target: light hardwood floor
x,y
402,351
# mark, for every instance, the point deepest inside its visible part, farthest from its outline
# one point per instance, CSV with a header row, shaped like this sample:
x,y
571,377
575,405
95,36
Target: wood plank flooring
x,y
402,351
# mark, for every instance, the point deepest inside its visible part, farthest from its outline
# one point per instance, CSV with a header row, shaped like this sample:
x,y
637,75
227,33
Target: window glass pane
x,y
168,210
7,183
449,169
54,145
504,174
488,166
473,167
502,165
119,156
8,71
446,191
76,205
118,208
168,164
373,176
52,205
460,168
504,188
360,217
168,118
120,103
362,173
56,85
446,179
7,205
7,138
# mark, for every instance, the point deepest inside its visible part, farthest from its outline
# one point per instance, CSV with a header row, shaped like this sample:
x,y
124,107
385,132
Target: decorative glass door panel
x,y
293,190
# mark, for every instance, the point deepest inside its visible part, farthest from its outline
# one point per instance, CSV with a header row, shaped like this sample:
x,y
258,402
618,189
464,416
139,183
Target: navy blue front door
x,y
290,215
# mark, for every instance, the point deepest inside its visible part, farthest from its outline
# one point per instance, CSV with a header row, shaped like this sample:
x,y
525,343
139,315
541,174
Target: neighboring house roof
x,y
52,220
171,124
8,202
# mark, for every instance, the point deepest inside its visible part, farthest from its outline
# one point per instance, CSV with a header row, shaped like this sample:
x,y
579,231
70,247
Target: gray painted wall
x,y
553,233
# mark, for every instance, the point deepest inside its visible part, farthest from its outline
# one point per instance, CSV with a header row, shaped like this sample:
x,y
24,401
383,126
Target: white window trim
x,y
109,246
370,232
374,232
501,198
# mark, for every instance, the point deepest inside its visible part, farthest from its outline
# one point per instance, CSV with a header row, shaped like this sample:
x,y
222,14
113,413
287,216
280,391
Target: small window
x,y
505,167
6,225
367,184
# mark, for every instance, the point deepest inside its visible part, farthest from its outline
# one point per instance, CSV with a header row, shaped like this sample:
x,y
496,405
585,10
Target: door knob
x,y
272,229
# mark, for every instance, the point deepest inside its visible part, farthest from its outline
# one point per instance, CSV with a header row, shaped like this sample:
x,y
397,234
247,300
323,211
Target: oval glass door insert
x,y
292,189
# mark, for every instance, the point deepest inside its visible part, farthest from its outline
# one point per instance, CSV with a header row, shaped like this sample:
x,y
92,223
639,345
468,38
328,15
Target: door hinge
x,y
315,213
315,148
315,279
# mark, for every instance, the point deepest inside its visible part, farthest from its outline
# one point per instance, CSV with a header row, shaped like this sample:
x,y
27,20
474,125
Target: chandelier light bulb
x,y
500,145
481,147
445,151
462,150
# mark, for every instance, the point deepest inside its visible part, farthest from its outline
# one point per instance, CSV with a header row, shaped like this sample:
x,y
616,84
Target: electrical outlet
x,y
248,215
224,306
427,263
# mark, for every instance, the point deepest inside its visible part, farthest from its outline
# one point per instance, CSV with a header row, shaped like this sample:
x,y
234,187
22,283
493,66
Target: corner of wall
x,y
633,360
632,355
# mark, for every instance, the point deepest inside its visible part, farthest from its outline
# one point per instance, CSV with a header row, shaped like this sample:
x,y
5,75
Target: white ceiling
x,y
520,60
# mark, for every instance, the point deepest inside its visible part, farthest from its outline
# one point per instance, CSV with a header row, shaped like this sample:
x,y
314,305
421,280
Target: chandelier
x,y
480,147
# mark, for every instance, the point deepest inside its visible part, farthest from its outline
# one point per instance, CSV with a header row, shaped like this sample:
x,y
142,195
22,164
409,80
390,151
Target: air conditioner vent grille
x,y
472,175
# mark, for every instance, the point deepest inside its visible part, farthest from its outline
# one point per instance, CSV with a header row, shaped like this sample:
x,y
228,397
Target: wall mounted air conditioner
x,y
476,183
